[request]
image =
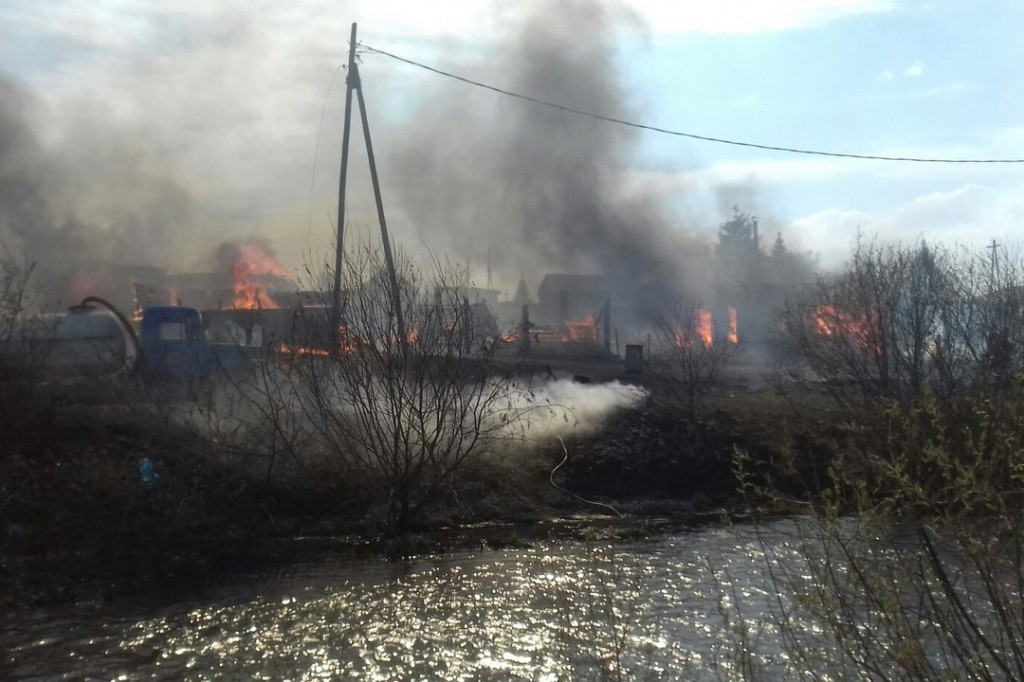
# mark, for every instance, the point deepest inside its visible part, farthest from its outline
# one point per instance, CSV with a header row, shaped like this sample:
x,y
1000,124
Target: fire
x,y
584,330
300,350
704,331
347,341
254,259
347,344
148,295
831,321
704,326
734,336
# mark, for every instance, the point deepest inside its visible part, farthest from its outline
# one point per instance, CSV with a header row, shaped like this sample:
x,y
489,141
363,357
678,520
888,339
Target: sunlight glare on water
x,y
666,607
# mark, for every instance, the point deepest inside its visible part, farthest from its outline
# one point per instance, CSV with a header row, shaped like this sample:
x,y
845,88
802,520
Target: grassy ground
x,y
78,522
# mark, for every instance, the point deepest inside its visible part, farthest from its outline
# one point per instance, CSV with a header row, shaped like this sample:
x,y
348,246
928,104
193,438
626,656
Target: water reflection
x,y
690,606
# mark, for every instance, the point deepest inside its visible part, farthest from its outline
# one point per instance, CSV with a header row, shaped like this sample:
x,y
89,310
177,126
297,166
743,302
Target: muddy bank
x,y
79,521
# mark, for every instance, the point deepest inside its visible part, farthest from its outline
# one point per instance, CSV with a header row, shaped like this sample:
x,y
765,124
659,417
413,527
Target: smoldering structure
x,y
540,188
545,188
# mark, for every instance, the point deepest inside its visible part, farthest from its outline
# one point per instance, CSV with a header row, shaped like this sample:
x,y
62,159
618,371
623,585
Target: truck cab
x,y
174,344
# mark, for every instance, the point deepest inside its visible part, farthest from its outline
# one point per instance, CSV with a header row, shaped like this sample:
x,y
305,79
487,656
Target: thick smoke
x,y
205,129
29,224
78,210
543,188
105,205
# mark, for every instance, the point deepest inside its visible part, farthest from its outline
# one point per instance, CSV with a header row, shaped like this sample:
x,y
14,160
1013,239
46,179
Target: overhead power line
x,y
677,133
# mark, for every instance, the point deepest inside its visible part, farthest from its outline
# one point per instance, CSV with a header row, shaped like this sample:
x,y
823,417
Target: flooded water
x,y
667,608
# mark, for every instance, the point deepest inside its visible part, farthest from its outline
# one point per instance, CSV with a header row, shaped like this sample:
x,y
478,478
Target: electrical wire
x,y
677,133
316,149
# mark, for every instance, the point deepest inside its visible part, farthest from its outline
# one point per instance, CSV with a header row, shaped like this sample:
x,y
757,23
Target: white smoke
x,y
565,407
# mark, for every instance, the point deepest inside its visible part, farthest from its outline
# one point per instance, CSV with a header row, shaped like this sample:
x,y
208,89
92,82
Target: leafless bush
x,y
901,319
23,406
689,356
403,401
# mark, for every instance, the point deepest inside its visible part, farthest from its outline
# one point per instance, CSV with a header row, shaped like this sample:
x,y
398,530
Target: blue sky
x,y
227,98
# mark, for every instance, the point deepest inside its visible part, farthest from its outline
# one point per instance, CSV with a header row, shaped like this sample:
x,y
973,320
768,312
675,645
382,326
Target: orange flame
x,y
584,330
347,341
300,350
347,344
734,336
704,330
254,259
704,326
831,321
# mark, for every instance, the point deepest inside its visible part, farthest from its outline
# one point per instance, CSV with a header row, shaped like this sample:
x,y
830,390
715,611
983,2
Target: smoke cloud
x,y
83,205
538,186
200,127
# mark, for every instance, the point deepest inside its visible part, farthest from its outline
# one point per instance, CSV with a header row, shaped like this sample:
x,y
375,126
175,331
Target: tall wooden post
x,y
994,247
351,80
396,296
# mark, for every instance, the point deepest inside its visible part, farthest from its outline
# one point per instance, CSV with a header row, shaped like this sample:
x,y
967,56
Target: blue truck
x,y
93,341
173,346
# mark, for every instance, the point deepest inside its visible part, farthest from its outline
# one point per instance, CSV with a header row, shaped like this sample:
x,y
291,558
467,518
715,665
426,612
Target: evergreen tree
x,y
739,249
779,247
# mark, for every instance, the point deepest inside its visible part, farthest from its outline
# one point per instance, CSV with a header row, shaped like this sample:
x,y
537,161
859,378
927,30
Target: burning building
x,y
564,297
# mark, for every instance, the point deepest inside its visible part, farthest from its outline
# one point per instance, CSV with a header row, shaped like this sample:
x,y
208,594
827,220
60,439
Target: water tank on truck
x,y
84,342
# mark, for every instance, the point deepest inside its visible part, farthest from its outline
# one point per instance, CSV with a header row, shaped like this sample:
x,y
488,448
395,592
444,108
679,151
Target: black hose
x,y
123,320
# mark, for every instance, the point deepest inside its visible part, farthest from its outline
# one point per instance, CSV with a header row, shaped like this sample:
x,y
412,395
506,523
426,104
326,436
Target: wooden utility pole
x,y
351,81
995,259
396,298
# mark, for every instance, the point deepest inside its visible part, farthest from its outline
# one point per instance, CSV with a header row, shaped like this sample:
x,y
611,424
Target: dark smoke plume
x,y
89,209
29,225
541,187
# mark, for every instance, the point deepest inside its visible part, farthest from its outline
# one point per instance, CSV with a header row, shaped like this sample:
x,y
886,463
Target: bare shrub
x,y
689,356
403,402
898,320
24,407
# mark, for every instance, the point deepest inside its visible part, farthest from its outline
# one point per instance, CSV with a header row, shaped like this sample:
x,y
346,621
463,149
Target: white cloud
x,y
939,210
916,69
970,215
742,16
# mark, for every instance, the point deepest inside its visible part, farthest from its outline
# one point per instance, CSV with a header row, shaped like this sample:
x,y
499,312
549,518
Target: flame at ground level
x,y
288,349
583,331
